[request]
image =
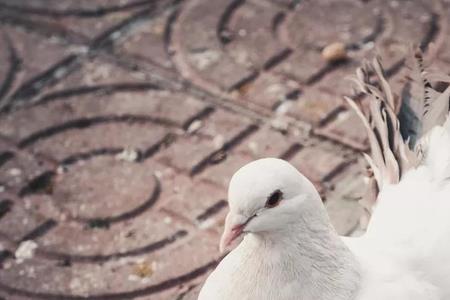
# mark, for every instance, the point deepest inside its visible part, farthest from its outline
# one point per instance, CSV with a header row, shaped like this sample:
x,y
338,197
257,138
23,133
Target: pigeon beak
x,y
234,227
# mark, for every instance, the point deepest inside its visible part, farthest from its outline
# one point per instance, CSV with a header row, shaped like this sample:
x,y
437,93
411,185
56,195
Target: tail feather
x,y
398,146
422,107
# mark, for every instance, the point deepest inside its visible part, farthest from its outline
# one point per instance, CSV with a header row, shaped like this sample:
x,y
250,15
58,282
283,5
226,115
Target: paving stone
x,y
267,142
21,168
30,56
103,139
19,221
119,279
220,173
100,188
307,63
201,258
192,293
314,105
337,81
195,34
252,38
86,18
158,107
342,201
198,202
36,276
130,240
411,23
350,22
99,72
148,42
220,132
301,65
346,128
286,3
443,38
269,90
223,123
7,62
319,161
189,151
66,6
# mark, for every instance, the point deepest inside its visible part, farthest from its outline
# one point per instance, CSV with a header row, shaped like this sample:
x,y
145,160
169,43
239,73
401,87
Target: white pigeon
x,y
291,251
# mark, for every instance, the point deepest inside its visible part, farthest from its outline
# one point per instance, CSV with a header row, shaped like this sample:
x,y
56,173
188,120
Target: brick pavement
x,y
122,122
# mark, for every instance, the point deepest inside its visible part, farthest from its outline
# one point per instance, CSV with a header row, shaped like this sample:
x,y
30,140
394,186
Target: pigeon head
x,y
267,196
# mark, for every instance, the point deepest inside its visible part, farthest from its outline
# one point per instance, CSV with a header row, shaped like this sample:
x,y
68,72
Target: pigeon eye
x,y
274,199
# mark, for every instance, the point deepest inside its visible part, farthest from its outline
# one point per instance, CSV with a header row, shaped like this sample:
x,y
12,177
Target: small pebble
x,y
25,250
7,265
129,155
61,170
133,277
283,108
208,223
334,52
116,35
253,146
15,172
280,125
218,141
194,126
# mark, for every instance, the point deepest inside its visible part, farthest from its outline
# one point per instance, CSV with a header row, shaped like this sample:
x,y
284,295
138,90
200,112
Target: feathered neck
x,y
309,253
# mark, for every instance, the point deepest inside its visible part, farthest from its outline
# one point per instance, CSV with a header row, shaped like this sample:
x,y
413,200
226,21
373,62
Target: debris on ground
x,y
143,269
25,251
280,125
128,154
194,126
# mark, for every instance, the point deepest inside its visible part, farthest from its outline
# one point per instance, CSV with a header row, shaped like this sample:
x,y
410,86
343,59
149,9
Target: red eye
x,y
274,199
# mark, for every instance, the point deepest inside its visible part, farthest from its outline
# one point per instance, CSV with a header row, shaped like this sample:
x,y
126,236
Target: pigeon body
x,y
400,257
291,251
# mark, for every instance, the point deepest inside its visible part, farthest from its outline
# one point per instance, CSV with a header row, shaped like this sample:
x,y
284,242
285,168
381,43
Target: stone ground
x,y
123,120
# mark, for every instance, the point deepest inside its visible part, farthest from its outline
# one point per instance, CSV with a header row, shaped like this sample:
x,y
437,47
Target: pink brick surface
x,y
195,89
